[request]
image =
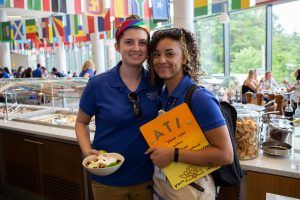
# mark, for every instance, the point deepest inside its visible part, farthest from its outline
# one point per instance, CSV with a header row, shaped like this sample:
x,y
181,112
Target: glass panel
x,y
248,38
209,32
286,41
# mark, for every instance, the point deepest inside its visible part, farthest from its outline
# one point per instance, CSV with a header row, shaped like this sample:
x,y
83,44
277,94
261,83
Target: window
x,y
209,32
247,42
286,41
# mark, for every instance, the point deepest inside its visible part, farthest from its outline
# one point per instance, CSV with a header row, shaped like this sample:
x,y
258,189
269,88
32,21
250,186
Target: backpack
x,y
231,174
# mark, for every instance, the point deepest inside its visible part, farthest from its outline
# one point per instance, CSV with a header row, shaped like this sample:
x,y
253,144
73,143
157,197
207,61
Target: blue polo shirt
x,y
205,107
89,71
117,128
37,73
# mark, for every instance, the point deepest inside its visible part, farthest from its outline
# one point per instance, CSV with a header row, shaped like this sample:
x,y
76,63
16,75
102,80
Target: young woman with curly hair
x,y
173,58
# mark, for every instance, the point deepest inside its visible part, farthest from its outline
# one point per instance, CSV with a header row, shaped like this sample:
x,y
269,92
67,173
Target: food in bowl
x,y
102,161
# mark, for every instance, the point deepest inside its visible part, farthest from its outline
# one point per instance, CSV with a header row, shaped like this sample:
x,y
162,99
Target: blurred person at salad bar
x,y
174,59
121,99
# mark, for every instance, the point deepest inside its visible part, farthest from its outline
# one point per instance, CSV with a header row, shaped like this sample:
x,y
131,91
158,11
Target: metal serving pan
x,y
276,148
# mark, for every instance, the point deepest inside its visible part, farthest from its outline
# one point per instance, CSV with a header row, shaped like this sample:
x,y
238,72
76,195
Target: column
x,y
98,52
41,59
4,46
61,62
184,14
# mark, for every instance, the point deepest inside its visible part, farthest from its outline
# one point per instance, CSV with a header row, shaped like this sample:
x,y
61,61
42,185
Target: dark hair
x,y
130,17
189,48
298,74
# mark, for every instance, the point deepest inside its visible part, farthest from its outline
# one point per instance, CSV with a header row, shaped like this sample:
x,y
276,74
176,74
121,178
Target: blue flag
x,y
160,10
218,5
1,2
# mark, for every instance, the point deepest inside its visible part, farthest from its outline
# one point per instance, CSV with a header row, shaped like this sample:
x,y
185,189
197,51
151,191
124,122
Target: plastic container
x,y
278,132
247,135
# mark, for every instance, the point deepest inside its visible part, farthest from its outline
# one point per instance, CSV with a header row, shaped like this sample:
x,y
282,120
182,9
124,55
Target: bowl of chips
x,y
104,164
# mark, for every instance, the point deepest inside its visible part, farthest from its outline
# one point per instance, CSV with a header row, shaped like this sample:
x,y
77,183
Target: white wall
x,y
23,60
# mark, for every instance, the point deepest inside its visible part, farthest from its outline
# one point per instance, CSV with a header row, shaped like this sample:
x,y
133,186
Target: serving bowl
x,y
106,170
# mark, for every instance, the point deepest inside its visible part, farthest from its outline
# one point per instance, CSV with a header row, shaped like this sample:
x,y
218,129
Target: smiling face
x,y
168,60
133,47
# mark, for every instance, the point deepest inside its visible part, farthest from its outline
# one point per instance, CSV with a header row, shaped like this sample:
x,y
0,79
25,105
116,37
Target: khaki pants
x,y
135,192
165,190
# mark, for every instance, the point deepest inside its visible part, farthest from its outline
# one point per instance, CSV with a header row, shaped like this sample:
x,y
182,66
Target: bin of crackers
x,y
247,135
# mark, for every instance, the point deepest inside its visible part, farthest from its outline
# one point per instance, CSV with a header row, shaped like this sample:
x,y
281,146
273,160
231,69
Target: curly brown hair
x,y
189,48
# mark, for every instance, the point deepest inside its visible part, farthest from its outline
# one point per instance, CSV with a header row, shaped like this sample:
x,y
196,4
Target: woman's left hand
x,y
161,156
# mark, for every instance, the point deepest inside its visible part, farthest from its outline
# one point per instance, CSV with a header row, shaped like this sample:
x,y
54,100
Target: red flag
x,y
77,5
19,4
91,24
107,26
146,10
46,5
118,21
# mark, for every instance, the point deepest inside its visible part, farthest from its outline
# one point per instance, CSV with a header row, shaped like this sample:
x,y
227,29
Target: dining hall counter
x,y
273,174
43,160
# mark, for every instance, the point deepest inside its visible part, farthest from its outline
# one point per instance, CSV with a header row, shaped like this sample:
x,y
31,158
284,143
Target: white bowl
x,y
106,170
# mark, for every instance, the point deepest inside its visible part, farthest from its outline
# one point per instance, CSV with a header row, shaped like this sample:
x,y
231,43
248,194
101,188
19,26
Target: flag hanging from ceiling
x,y
5,31
100,24
117,22
63,6
94,7
46,5
240,4
9,3
2,3
30,29
19,4
141,8
67,23
107,24
200,7
119,8
261,2
55,5
217,5
18,29
160,10
47,29
58,27
34,4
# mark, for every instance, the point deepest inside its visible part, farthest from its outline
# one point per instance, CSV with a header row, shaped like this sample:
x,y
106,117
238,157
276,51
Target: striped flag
x,y
46,5
9,3
217,5
67,23
141,8
95,7
119,8
54,5
47,29
34,4
200,7
100,24
240,4
18,29
30,29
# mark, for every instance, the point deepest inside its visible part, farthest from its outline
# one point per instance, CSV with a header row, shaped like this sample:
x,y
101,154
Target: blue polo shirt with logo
x,y
117,127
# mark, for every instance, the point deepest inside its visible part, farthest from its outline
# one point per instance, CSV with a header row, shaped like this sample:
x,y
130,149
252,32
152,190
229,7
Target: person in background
x,y
251,84
174,59
56,73
268,82
27,73
37,73
75,74
87,69
5,73
289,87
19,72
121,99
45,73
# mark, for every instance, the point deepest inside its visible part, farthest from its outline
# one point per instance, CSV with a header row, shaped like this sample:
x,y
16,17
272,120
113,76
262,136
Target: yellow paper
x,y
178,128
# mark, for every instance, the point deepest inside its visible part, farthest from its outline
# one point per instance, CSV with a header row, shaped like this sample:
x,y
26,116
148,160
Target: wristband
x,y
176,155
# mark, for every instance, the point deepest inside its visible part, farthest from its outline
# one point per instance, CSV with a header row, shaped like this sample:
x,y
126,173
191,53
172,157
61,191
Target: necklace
x,y
163,110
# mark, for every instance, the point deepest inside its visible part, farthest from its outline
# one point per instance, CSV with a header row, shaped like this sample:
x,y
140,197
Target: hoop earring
x,y
185,68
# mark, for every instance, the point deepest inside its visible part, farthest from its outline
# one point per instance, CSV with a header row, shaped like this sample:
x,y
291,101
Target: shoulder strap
x,y
189,94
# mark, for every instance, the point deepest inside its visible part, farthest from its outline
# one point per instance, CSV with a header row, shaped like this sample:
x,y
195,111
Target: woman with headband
x,y
121,100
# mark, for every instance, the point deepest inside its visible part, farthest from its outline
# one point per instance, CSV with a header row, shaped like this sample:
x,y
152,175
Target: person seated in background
x,y
5,73
56,73
37,73
87,69
288,86
268,82
19,72
251,84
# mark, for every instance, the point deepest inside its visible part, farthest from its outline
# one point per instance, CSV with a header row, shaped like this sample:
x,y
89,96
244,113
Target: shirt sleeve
x,y
88,99
206,109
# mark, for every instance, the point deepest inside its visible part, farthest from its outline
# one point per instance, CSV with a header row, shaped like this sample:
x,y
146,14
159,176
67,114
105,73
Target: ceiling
x,y
18,13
